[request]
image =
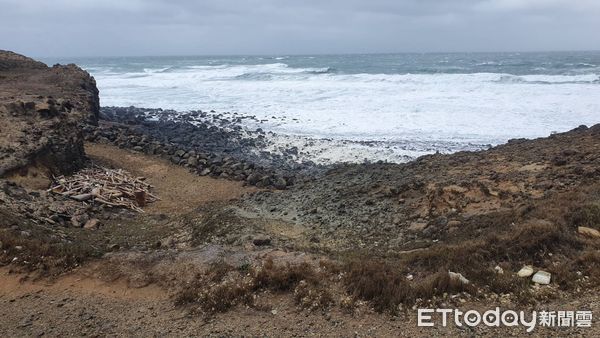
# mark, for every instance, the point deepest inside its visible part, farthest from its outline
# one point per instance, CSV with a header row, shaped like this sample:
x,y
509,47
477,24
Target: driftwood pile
x,y
111,187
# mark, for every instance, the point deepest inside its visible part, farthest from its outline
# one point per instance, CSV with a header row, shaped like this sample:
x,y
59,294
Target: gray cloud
x,y
162,27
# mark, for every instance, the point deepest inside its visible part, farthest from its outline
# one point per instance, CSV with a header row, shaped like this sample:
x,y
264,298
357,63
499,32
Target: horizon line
x,y
316,54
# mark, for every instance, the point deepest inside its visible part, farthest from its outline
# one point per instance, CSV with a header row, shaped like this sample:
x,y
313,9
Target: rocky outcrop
x,y
42,110
443,197
11,61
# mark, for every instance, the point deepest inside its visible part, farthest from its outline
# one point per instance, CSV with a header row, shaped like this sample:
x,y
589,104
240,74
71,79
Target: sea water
x,y
375,106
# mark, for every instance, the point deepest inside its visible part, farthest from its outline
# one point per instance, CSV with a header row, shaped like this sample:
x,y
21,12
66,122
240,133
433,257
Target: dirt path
x,y
75,306
180,191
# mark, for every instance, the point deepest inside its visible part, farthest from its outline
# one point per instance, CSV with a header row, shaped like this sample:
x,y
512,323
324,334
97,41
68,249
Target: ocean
x,y
390,107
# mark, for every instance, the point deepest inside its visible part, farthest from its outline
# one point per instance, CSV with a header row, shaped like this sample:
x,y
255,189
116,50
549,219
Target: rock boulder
x,y
42,110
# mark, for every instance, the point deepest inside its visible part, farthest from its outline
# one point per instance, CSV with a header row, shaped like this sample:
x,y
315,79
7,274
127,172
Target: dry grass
x,y
528,242
386,287
377,282
586,215
46,255
284,278
223,286
313,296
568,274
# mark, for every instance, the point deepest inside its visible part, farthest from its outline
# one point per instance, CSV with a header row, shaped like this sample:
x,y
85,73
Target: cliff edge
x,y
41,112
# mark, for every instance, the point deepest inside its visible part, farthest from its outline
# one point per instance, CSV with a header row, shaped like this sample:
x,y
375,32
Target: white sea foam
x,y
479,108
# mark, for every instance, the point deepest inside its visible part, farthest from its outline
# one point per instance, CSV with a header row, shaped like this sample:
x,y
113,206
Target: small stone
x,y
261,240
455,189
409,277
542,277
91,224
274,312
79,220
525,271
192,161
588,232
253,178
455,276
167,242
499,269
417,226
454,223
280,183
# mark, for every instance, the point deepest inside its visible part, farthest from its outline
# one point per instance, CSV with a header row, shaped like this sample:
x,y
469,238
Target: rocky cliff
x,y
41,112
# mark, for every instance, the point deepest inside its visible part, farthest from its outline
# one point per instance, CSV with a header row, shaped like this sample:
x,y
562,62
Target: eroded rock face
x,y
42,110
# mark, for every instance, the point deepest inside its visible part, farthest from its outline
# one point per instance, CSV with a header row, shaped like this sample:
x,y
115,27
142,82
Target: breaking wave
x,y
550,79
358,98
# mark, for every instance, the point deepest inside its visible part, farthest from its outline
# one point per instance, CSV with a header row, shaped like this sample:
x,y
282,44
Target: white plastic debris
x,y
541,277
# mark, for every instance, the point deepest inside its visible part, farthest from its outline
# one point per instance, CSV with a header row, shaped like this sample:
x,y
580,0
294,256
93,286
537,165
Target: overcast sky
x,y
186,27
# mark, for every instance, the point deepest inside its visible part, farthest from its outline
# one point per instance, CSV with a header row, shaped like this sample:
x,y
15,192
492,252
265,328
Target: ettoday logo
x,y
497,318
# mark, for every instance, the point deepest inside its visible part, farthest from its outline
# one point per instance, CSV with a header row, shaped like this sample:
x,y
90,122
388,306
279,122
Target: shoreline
x,y
320,150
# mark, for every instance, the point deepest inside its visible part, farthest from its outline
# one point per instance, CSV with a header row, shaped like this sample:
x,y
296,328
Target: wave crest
x,y
549,79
